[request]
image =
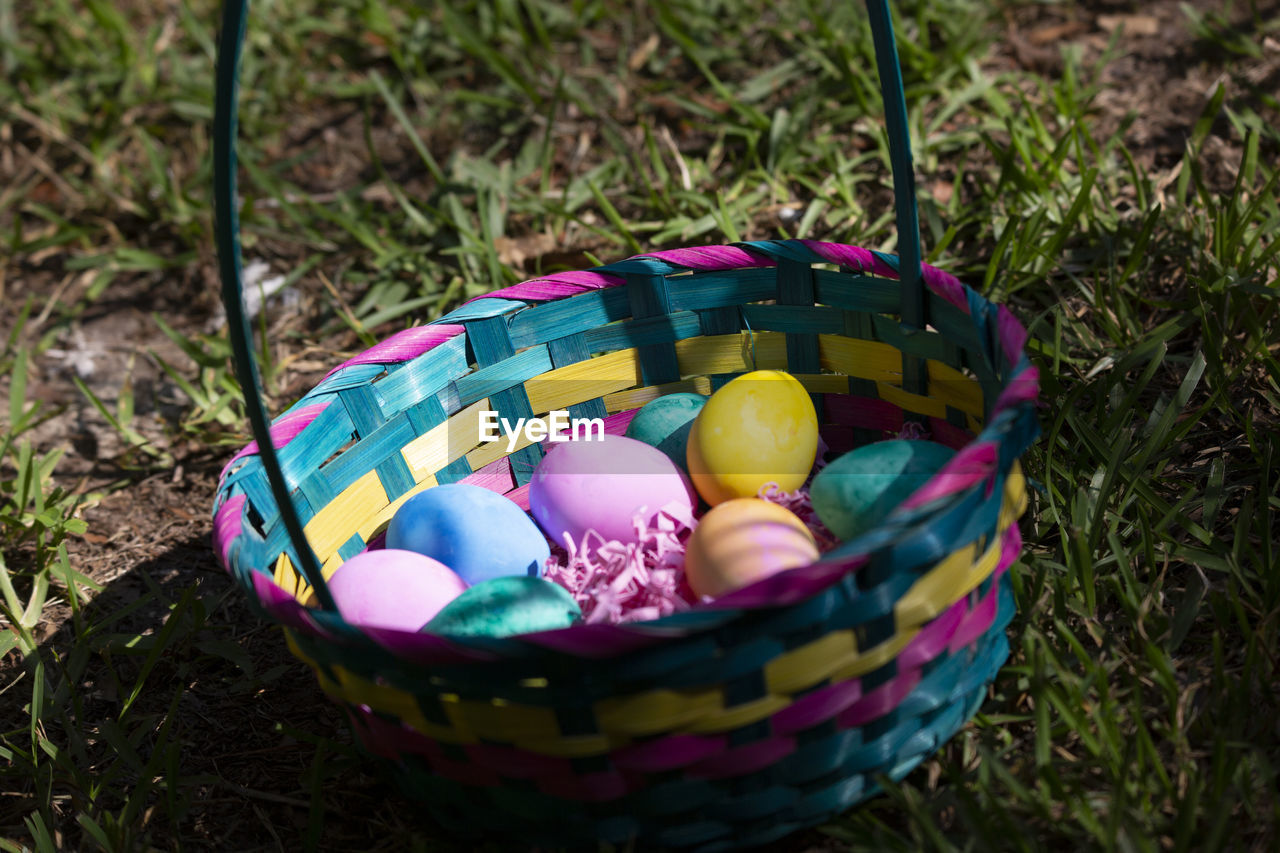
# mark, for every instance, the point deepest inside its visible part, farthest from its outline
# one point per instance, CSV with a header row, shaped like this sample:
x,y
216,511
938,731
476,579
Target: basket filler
x,y
775,707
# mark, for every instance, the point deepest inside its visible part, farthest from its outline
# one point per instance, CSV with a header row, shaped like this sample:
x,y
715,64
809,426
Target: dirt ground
x,y
153,536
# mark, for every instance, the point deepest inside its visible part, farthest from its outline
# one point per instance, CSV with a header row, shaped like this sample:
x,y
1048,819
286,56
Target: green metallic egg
x,y
860,489
505,606
665,423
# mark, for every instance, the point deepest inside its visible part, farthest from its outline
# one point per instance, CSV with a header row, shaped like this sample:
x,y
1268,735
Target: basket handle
x,y
227,237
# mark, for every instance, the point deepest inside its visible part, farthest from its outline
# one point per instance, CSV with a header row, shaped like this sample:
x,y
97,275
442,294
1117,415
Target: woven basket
x,y
773,709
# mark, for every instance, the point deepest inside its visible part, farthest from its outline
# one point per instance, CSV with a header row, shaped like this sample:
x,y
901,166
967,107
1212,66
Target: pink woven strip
x,y
947,434
744,759
599,787
518,763
863,412
978,619
555,286
668,753
465,772
226,527
817,707
1013,336
944,284
713,258
879,702
402,346
496,477
396,739
282,432
285,608
973,464
934,637
1021,388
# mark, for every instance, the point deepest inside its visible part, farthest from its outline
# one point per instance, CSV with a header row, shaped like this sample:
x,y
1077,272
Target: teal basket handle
x,y
227,235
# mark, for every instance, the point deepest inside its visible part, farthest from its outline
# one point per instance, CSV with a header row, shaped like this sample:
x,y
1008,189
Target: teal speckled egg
x,y
860,489
664,423
505,606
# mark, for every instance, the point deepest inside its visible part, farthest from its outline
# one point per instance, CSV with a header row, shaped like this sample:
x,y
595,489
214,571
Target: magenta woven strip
x,y
402,346
863,412
972,464
598,787
934,638
878,702
496,477
556,286
978,620
1013,336
518,763
713,258
282,432
423,649
465,772
817,707
946,433
396,738
745,759
668,753
285,608
1021,388
617,423
226,527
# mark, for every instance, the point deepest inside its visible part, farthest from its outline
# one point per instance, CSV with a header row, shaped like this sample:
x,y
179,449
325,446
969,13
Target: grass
x,y
477,144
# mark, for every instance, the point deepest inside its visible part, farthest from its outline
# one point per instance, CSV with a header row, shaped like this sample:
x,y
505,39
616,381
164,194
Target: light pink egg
x,y
393,589
600,484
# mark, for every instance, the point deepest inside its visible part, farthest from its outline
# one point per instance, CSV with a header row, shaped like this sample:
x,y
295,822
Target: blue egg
x,y
476,532
503,607
665,423
860,489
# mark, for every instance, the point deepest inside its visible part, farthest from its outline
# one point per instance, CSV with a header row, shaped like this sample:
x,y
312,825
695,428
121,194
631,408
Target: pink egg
x,y
600,484
393,589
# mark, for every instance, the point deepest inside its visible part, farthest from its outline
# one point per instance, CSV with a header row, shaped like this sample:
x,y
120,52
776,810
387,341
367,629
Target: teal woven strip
x,y
582,313
857,292
571,350
642,333
795,318
717,290
796,288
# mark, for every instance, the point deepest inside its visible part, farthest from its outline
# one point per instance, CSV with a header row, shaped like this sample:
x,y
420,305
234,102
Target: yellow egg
x,y
758,428
743,540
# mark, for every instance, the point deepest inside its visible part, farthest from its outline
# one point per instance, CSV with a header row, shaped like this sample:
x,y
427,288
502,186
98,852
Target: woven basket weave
x,y
735,723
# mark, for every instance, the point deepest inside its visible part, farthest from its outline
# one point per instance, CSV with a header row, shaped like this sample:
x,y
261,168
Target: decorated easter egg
x,y
743,540
757,429
665,423
858,490
502,607
393,589
600,484
476,532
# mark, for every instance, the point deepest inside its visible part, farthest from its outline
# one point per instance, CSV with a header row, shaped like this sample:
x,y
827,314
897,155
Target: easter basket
x,y
773,708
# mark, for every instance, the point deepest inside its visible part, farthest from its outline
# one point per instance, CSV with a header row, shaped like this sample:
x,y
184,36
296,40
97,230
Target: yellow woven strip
x,y
823,383
740,715
974,424
732,353
911,402
806,665
575,746
333,524
502,722
287,577
656,711
945,584
861,359
445,442
1015,489
358,690
876,657
624,401
953,388
584,380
